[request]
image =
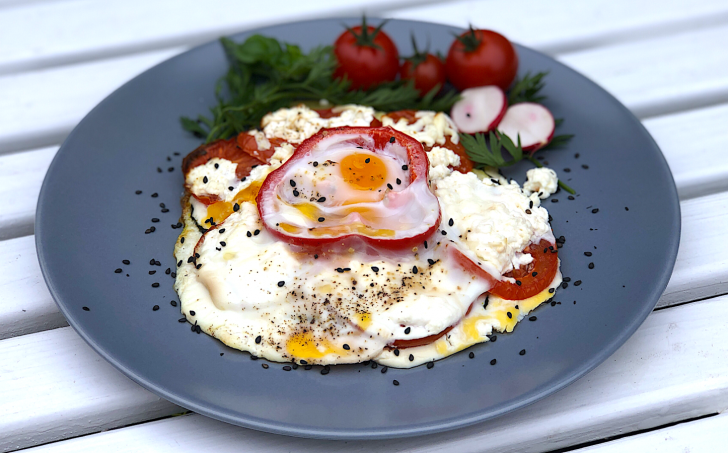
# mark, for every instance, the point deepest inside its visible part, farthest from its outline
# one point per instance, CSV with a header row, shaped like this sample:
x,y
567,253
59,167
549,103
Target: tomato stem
x,y
365,39
470,40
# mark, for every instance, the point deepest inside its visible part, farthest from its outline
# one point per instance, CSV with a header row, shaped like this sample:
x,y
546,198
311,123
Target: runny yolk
x,y
363,171
220,210
305,346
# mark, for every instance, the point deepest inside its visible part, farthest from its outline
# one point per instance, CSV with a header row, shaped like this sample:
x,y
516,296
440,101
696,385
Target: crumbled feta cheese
x,y
440,161
260,139
213,178
296,124
542,181
430,128
491,219
282,154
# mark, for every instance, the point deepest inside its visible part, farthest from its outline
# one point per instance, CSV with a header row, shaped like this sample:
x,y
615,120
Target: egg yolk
x,y
220,210
305,346
363,171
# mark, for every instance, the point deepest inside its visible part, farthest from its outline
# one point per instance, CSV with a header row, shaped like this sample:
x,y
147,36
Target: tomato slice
x,y
533,277
466,165
404,344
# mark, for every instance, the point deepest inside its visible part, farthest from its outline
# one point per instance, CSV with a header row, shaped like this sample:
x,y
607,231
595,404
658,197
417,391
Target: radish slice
x,y
533,122
480,109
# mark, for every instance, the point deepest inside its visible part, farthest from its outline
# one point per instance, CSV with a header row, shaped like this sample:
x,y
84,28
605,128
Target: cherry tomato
x,y
479,58
425,69
544,265
366,56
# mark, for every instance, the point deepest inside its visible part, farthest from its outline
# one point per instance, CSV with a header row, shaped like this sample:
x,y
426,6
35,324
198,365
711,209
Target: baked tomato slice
x,y
531,279
404,344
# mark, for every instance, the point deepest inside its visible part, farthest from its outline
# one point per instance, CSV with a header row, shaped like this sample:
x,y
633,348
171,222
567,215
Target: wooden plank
x,y
567,26
639,387
55,386
91,29
40,108
26,305
705,435
658,75
693,143
21,175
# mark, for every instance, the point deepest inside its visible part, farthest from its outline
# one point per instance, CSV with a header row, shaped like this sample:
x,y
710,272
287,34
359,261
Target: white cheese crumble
x,y
440,161
430,129
212,178
260,139
299,123
491,219
542,181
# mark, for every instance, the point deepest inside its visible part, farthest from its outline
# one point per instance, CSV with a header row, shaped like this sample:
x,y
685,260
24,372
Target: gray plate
x,y
89,219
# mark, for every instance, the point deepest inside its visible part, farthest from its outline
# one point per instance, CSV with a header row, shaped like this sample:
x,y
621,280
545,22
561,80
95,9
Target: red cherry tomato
x,y
544,265
479,58
426,73
366,56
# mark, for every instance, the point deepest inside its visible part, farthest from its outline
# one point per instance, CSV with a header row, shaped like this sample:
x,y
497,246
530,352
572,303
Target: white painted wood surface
x,y
663,59
707,435
659,376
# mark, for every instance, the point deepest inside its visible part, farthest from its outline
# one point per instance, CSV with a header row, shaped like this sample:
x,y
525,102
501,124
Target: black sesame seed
x,y
390,187
471,355
411,358
168,271
138,192
375,268
296,192
431,261
571,197
155,308
374,365
249,234
256,232
181,320
182,240
86,309
587,253
159,170
567,279
518,282
425,244
325,371
253,357
155,220
577,283
493,338
164,210
205,179
522,352
308,367
155,285
564,285
303,362
384,369
265,366
157,263
405,168
626,208
192,313
223,243
152,272
493,362
396,352
532,318
510,316
118,271
173,303
367,160
236,207
286,368
591,266
414,269
321,199
179,263
554,200
585,167
552,290
595,210
321,219
173,275
533,274
217,166
281,283
399,181
528,211
407,331
391,140
395,382
346,347
430,365
258,339
293,183
315,257
444,232
231,188
198,266
155,195
567,170
315,164
170,169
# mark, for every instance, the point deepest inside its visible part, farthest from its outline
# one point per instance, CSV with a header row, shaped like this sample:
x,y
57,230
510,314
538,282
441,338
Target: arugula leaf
x,y
265,75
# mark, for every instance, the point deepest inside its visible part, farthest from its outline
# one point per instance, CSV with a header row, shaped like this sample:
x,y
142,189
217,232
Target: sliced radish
x,y
480,109
533,122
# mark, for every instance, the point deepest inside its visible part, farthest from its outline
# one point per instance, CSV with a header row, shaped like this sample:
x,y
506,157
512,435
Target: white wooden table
x,y
664,390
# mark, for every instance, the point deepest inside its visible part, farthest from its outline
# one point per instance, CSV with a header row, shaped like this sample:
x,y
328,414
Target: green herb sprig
x,y
266,75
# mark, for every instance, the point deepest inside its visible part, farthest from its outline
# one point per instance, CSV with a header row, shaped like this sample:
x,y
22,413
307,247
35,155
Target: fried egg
x,y
244,286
